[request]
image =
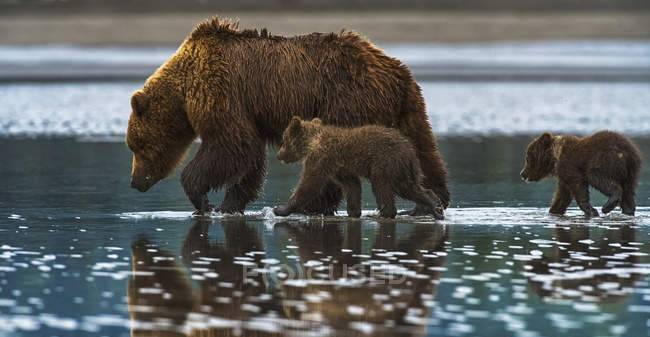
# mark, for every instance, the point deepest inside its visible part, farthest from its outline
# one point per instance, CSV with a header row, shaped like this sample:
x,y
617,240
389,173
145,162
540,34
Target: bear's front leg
x,y
202,174
248,188
196,190
580,191
561,199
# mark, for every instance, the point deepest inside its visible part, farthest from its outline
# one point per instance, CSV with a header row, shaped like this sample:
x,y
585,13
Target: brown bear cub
x,y
606,160
380,154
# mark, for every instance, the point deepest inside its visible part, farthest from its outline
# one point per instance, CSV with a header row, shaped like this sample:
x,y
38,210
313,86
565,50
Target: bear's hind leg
x,y
385,198
628,205
611,189
416,127
425,199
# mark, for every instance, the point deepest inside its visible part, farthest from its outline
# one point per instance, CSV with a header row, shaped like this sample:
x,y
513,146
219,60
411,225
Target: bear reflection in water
x,y
586,268
331,284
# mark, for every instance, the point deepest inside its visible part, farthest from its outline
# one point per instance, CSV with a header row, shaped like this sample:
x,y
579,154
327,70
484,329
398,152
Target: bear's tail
x,y
414,124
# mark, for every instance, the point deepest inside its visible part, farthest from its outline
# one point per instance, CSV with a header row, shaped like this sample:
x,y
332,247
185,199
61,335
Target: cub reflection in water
x,y
226,286
391,287
585,266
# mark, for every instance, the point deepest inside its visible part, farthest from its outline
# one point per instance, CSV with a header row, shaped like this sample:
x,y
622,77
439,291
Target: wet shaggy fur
x,y
238,90
382,155
606,160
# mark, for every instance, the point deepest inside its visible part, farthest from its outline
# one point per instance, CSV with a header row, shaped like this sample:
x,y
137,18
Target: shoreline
x,y
559,61
432,73
380,26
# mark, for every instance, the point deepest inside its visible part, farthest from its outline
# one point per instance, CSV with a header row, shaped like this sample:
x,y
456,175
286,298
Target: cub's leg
x,y
312,182
352,186
561,200
611,189
327,202
628,205
385,198
580,191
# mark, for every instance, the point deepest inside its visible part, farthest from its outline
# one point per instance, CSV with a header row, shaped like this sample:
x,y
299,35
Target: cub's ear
x,y
139,103
317,121
295,123
546,137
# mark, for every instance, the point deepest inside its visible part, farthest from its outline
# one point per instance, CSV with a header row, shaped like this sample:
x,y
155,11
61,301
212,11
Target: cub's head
x,y
158,134
539,161
296,138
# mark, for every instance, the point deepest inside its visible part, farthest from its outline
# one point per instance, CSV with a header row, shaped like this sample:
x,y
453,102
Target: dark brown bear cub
x,y
380,154
605,160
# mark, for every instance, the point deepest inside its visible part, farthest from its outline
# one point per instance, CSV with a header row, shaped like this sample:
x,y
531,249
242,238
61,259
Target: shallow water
x,y
82,254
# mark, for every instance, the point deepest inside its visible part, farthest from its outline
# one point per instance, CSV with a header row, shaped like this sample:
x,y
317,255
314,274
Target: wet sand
x,y
380,26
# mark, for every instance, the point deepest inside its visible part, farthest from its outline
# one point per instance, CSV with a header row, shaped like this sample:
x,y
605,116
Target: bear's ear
x,y
139,103
317,121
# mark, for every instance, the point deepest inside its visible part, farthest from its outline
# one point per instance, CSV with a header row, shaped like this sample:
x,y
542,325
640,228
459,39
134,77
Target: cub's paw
x,y
387,212
556,212
283,210
593,213
609,206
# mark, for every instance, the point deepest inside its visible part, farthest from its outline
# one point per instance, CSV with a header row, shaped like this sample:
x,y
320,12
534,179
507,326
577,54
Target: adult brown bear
x,y
238,90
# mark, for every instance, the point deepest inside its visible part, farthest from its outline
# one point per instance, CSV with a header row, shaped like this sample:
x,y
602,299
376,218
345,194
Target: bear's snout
x,y
523,175
141,186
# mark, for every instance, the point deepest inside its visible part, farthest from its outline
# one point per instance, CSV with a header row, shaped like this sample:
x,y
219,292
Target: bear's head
x,y
158,134
539,162
296,138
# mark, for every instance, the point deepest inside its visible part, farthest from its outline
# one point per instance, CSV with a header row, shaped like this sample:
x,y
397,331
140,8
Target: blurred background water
x,y
82,254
